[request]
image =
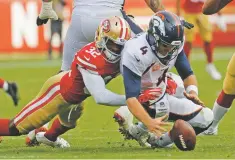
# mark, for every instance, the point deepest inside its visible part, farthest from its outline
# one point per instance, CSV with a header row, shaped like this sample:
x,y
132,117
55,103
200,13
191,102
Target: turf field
x,y
96,135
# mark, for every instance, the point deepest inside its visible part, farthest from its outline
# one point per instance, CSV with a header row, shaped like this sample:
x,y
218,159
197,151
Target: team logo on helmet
x,y
157,22
106,25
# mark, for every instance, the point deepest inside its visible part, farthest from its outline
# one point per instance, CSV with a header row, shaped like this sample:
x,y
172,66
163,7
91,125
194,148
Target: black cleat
x,y
13,92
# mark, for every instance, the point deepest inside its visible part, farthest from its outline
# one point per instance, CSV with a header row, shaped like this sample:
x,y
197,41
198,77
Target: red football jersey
x,y
90,58
193,6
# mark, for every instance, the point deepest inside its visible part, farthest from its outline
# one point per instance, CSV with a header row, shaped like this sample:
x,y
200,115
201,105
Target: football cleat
x,y
31,140
124,119
13,92
210,132
213,72
1,139
59,143
140,135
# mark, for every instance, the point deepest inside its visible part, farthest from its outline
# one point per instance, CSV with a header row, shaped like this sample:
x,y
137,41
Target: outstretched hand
x,y
194,98
157,125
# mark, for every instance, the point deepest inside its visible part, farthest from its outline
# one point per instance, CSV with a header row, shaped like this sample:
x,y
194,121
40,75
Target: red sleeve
x,y
91,62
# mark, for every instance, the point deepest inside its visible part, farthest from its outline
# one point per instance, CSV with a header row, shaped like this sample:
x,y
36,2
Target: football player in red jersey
x,y
93,66
192,13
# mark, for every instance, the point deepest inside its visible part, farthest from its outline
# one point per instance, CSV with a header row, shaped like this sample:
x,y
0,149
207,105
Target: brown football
x,y
183,135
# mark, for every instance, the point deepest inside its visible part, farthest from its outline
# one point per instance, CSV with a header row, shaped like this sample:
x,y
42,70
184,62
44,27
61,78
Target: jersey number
x,y
144,50
93,52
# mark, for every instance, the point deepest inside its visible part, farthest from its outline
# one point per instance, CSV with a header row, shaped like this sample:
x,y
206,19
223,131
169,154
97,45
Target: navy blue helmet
x,y
165,35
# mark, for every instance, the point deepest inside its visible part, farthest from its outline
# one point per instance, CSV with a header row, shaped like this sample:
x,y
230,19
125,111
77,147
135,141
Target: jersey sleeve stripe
x,y
89,70
85,63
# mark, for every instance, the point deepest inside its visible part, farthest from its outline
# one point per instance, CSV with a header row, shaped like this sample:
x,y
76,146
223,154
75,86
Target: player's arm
x,y
155,5
213,6
190,82
96,87
132,83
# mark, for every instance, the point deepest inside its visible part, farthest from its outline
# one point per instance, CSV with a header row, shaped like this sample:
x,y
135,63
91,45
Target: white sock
x,y
5,86
31,135
219,113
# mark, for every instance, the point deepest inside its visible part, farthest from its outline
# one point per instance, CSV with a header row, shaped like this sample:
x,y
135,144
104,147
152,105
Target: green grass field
x,y
96,135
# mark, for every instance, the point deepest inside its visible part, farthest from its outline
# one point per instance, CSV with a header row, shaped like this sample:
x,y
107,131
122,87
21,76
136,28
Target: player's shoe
x,y
13,92
1,139
140,135
31,140
124,119
59,143
155,142
213,72
210,131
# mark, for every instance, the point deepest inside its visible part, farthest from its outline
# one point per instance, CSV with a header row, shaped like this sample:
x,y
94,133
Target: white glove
x,y
47,11
221,23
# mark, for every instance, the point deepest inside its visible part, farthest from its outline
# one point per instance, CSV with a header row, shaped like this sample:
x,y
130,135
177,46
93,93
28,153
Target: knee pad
x,y
203,119
70,116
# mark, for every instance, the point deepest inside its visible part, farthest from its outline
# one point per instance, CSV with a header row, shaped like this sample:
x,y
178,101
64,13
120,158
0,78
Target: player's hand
x,y
46,13
194,98
150,94
187,24
221,23
157,125
171,86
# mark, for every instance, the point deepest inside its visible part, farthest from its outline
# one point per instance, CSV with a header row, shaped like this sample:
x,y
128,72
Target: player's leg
x,y
11,89
205,29
66,120
82,30
37,112
189,34
225,99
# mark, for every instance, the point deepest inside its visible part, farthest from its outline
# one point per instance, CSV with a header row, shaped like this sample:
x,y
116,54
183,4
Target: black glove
x,y
187,24
41,21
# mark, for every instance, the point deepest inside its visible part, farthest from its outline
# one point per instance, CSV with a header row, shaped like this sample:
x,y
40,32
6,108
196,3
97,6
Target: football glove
x,y
46,13
150,94
187,24
221,23
171,86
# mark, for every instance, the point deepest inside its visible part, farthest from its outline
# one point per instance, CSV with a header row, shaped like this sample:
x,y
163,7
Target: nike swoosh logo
x,y
137,58
87,58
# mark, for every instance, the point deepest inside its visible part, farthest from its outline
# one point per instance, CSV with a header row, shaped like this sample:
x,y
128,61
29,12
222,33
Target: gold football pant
x,y
45,106
202,24
229,81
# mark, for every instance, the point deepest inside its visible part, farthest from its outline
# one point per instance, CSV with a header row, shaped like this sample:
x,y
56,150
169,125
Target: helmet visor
x,y
112,46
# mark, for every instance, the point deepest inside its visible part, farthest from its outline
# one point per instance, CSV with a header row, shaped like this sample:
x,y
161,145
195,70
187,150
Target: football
x,y
183,135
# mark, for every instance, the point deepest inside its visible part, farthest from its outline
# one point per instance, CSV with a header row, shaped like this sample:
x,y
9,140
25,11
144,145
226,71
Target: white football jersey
x,y
108,3
138,56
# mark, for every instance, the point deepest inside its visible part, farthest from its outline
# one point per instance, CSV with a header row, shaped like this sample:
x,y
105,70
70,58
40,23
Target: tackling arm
x,y
96,86
213,6
155,5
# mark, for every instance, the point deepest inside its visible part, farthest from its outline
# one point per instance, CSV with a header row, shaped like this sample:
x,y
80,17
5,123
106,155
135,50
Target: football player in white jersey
x,y
144,67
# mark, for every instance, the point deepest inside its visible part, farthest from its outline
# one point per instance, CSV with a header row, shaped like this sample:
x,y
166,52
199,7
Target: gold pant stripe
x,y
38,103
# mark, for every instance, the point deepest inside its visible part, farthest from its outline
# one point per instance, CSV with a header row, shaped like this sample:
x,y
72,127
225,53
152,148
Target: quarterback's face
x,y
163,49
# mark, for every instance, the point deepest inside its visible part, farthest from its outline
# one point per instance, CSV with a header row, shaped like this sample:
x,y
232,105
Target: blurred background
x,y
20,35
